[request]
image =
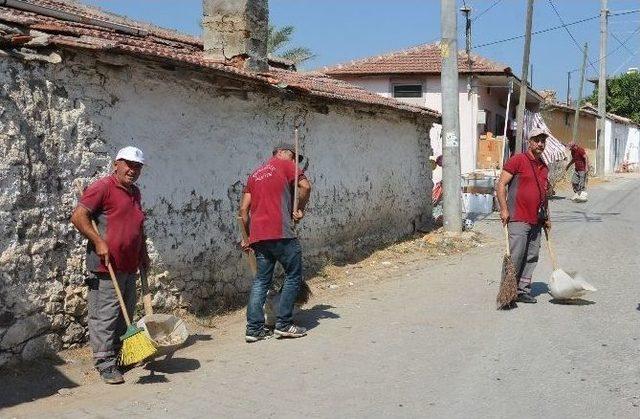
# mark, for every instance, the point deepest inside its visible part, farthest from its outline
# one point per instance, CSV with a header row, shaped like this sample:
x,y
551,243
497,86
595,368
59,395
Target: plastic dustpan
x,y
562,285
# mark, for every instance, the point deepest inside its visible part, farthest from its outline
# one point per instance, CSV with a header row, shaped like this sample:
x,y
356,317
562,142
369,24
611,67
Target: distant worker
x,y
525,209
579,179
267,212
113,202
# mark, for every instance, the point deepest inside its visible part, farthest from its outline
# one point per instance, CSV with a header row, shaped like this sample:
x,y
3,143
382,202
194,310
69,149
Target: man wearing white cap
x,y
524,209
114,203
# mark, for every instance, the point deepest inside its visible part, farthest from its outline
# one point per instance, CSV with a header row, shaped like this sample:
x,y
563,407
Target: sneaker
x,y
575,197
262,335
111,375
526,298
291,331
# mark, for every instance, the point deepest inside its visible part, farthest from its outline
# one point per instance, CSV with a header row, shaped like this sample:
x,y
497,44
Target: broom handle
x,y
146,296
295,184
554,259
253,264
112,274
506,239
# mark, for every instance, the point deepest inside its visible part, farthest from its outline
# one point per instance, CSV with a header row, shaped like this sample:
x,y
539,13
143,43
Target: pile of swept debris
x,y
382,263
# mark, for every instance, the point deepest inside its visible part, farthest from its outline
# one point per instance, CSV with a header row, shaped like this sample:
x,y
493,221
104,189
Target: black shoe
x,y
254,337
111,375
526,298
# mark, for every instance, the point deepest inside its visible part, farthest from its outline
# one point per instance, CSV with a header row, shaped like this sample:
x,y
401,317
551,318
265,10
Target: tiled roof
x,y
124,36
572,109
417,60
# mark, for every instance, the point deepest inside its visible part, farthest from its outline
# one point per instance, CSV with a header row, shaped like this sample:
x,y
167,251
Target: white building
x,y
413,76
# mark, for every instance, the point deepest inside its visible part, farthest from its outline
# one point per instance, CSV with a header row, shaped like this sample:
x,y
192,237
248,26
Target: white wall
x,y
620,144
63,123
631,154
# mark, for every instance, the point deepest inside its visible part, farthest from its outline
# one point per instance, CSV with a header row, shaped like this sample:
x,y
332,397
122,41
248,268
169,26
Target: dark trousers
x,y
289,253
106,322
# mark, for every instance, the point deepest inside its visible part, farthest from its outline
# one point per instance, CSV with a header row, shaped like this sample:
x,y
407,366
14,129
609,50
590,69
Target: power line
x,y
553,6
633,54
513,38
620,42
495,3
553,28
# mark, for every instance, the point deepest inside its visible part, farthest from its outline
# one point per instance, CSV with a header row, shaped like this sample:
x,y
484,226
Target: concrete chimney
x,y
235,32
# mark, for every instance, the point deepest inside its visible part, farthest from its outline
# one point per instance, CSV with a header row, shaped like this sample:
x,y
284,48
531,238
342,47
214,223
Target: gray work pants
x,y
524,244
579,181
106,322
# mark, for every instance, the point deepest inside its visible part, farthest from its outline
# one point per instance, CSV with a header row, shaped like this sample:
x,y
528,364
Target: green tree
x,y
623,96
277,44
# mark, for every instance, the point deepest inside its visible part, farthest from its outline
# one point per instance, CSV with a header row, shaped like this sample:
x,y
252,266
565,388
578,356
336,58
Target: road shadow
x,y
194,338
638,308
159,369
310,318
572,302
581,216
23,383
557,198
539,288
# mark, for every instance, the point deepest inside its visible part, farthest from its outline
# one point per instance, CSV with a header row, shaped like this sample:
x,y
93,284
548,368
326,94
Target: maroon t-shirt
x,y
579,156
271,189
524,196
118,213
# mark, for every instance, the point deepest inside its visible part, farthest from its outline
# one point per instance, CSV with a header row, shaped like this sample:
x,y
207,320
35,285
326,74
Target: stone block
x,y
74,333
23,330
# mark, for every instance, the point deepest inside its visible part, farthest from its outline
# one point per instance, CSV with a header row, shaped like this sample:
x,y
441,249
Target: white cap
x,y
130,154
535,132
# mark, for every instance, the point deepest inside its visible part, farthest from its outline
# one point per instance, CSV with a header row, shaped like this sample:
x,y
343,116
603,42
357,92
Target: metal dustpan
x,y
167,331
562,285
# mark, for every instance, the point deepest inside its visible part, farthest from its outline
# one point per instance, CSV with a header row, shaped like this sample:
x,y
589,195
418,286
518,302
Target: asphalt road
x,y
427,342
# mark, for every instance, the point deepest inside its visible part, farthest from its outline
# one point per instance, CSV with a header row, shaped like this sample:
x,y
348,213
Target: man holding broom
x,y
267,212
524,209
113,202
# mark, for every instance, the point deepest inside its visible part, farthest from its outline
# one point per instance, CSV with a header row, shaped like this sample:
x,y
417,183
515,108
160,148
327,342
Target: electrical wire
x,y
620,42
553,28
553,6
495,3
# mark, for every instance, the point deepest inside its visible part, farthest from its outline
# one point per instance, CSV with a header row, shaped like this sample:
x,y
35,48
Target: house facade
x,y
413,76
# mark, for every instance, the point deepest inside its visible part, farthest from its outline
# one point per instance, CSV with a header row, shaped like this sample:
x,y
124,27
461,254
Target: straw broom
x,y
508,291
305,292
136,346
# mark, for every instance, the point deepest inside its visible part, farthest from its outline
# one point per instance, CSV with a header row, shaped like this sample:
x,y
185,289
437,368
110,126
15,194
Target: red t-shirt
x,y
579,156
271,189
118,213
524,196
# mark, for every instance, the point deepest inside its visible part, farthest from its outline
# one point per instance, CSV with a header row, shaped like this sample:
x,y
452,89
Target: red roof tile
x,y
417,60
144,40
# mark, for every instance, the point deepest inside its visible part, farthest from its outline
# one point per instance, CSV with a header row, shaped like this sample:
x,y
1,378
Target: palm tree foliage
x,y
277,45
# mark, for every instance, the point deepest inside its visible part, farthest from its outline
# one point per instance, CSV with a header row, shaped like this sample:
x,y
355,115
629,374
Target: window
x,y
407,90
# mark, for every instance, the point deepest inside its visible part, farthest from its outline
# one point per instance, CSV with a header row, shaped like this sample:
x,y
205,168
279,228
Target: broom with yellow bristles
x,y
136,346
508,292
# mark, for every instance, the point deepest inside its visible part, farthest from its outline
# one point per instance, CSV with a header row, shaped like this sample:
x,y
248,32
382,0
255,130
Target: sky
x,y
339,31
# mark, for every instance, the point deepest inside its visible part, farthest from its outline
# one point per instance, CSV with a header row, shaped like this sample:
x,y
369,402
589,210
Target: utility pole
x,y
523,80
602,90
467,48
451,185
574,134
568,88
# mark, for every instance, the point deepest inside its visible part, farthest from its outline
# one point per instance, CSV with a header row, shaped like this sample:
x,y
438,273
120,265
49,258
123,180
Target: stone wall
x,y
60,125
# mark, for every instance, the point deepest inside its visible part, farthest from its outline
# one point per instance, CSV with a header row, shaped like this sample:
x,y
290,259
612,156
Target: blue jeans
x,y
289,253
